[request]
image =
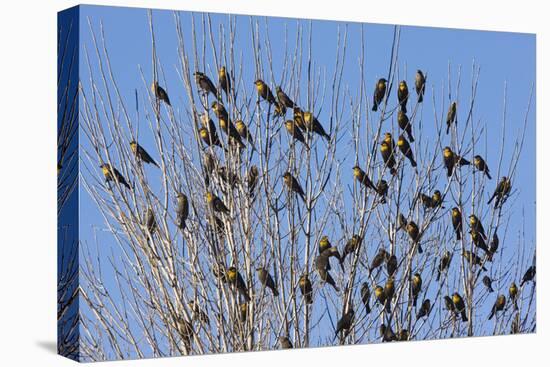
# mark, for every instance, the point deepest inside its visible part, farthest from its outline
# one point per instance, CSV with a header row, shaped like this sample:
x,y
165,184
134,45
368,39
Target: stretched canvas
x,y
232,183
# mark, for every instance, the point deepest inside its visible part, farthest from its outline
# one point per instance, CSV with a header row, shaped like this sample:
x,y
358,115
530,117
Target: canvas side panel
x,y
67,184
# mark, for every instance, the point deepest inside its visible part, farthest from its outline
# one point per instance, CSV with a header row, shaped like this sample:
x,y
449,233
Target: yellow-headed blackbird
x,y
401,222
391,265
362,177
351,246
420,85
473,259
414,234
424,309
404,124
476,225
449,305
293,185
205,84
227,176
379,93
306,288
388,138
264,91
513,293
451,116
141,153
416,287
406,149
403,95
478,241
365,296
209,138
280,109
252,179
325,247
312,124
321,263
378,259
437,199
388,153
216,203
298,116
529,275
389,290
451,160
380,295
387,334
207,123
295,132
345,323
229,128
456,218
444,263
426,200
267,281
182,210
225,81
220,111
283,98
111,174
493,246
160,93
501,192
460,307
480,164
150,222
382,190
404,335
235,278
198,313
488,283
244,132
284,342
498,306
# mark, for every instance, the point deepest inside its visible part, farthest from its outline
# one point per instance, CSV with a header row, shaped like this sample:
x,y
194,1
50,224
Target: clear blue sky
x,y
503,57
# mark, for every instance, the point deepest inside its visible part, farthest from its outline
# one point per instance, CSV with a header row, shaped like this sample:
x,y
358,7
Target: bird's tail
x,y
464,317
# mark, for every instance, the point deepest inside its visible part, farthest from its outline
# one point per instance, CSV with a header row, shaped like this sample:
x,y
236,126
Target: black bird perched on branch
x,y
480,164
449,305
321,263
216,203
205,84
389,291
267,281
387,333
513,293
459,305
406,149
345,323
404,124
382,190
305,287
478,241
365,296
225,81
362,177
529,275
498,306
351,246
379,93
456,218
182,210
488,283
473,259
424,309
264,91
450,159
444,263
295,132
312,124
283,98
325,247
388,155
378,259
391,265
451,115
235,278
414,234
244,132
416,287
501,192
210,138
477,226
160,93
293,185
111,174
420,85
493,246
141,153
403,95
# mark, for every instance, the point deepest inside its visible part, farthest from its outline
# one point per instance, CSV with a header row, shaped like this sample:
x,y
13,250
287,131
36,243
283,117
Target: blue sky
x,y
502,58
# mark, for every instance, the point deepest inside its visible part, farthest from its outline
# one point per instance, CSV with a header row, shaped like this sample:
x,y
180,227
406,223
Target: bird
x,y
293,185
406,149
266,280
459,306
321,263
391,265
449,305
216,203
243,308
382,190
388,156
182,210
426,201
224,81
210,138
252,179
111,174
380,295
150,222
235,278
437,199
403,95
387,333
325,247
311,123
229,128
529,275
264,91
478,241
416,287
204,83
378,259
298,117
244,132
488,283
456,218
513,293
389,290
404,124
280,109
450,159
295,132
477,226
424,309
198,313
473,259
480,164
227,176
493,246
284,342
420,85
220,111
365,296
401,221
305,287
498,306
351,246
414,234
444,263
160,93
451,116
283,98
403,335
501,192
379,93
362,177
345,322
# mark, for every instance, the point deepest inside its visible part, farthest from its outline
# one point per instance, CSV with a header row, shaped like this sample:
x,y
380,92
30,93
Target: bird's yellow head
x,y
382,83
289,124
324,243
477,160
222,72
240,125
455,212
357,171
303,280
106,169
401,141
216,106
133,146
417,279
456,297
437,195
384,146
308,117
223,123
287,177
388,138
154,86
513,289
402,85
259,85
232,273
447,152
209,197
203,133
473,220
